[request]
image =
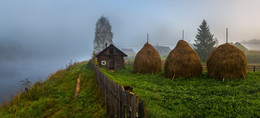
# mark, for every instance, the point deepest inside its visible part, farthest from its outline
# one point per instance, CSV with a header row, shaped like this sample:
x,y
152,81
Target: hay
x,y
226,62
147,60
182,61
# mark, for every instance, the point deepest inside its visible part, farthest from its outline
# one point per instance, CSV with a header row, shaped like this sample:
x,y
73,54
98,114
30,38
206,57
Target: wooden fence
x,y
253,67
250,67
120,103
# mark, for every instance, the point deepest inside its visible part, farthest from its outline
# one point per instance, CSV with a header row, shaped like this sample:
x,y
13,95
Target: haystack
x,y
182,61
226,62
147,60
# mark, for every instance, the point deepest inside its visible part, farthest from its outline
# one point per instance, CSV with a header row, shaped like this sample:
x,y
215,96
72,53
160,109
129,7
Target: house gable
x,y
111,50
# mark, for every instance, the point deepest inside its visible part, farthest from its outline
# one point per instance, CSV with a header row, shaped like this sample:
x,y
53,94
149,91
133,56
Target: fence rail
x,y
120,103
250,67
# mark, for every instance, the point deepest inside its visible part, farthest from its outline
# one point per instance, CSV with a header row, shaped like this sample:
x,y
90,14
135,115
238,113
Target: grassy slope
x,y
53,98
195,97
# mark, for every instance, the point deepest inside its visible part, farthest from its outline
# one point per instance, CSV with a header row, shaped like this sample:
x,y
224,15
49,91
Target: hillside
x,y
54,97
195,97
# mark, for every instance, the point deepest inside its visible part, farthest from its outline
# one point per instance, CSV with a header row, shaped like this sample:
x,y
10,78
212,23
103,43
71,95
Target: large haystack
x,y
182,61
147,60
226,62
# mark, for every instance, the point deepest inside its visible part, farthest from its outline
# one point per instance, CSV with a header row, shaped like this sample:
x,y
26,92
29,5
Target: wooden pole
x,y
226,35
147,37
182,34
254,69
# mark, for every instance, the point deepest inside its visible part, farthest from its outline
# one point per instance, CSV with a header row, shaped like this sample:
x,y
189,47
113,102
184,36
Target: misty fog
x,y
39,37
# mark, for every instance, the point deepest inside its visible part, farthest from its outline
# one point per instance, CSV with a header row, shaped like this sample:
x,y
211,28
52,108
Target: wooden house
x,y
111,58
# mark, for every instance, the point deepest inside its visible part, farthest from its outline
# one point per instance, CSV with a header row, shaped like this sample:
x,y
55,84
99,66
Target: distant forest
x,y
252,41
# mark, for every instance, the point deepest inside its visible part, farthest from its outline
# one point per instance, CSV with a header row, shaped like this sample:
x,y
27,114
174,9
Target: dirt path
x,y
74,97
77,87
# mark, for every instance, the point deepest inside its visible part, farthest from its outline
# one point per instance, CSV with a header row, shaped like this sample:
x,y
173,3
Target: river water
x,y
13,71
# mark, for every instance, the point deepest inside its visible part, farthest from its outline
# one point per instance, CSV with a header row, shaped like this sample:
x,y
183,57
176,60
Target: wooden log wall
x,y
120,103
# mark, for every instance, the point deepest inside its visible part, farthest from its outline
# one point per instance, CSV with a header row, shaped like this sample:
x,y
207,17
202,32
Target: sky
x,y
39,37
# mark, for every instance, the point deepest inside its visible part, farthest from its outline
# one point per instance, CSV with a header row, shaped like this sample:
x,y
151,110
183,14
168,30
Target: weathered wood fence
x,y
120,103
250,67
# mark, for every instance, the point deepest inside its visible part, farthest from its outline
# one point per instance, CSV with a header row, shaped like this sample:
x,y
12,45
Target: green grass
x,y
195,97
53,98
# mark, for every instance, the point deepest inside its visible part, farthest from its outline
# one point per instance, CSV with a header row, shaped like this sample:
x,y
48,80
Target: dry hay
x,y
182,61
226,61
147,60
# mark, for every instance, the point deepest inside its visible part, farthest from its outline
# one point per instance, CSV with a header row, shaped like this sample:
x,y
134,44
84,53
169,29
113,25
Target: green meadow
x,y
194,97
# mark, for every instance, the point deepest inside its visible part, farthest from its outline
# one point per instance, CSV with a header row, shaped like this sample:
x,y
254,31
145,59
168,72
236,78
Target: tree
x,y
204,41
103,34
26,84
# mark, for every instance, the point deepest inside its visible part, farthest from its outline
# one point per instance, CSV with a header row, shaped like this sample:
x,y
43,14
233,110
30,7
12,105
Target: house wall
x,y
117,57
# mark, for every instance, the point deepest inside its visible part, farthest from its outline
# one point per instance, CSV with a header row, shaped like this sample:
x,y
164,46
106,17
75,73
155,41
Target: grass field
x,y
195,97
53,98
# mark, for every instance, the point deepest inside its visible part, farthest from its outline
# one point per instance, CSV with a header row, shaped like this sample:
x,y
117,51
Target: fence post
x,y
122,94
133,101
254,69
127,104
118,102
141,110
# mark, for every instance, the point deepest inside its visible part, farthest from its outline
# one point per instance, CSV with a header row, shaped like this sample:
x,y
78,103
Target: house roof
x,y
128,51
164,48
240,46
111,45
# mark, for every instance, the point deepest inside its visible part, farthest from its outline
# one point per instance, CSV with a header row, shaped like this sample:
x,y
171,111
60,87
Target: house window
x,y
111,51
103,63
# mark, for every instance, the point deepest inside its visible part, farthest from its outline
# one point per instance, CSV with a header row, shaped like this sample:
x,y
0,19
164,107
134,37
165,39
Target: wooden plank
x,y
112,98
133,100
105,88
116,101
107,105
102,87
127,104
136,105
119,101
122,93
109,97
141,110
